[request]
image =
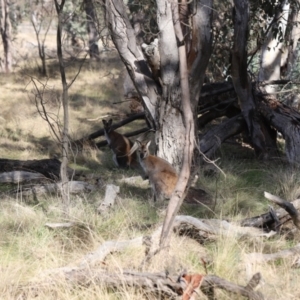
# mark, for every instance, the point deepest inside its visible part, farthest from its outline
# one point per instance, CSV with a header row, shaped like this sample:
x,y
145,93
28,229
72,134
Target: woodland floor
x,y
28,249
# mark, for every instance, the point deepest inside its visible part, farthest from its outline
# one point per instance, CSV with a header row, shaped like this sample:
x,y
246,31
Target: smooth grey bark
x,y
291,51
123,36
189,138
6,34
272,48
162,97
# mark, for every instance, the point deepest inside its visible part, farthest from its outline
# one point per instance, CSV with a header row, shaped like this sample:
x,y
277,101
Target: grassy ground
x,y
28,249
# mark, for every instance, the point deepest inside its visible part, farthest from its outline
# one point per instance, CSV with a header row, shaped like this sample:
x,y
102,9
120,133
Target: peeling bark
x,y
123,36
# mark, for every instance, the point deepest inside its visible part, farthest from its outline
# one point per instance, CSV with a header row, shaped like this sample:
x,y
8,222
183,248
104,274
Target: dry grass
x,y
28,249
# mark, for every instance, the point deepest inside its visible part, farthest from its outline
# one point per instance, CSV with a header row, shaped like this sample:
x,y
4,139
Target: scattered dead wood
x,y
210,283
266,257
74,187
210,229
159,285
91,270
252,259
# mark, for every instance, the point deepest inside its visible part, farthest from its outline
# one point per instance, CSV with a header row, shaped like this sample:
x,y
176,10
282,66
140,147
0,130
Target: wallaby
x,y
120,146
162,175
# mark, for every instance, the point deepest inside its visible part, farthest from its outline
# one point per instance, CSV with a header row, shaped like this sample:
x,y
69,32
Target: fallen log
x,y
50,168
74,187
159,285
20,176
212,139
210,229
100,132
252,259
266,257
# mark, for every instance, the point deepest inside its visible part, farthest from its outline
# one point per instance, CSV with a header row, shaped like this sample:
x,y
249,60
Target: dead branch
x,y
267,220
159,284
287,206
111,193
100,132
129,134
210,229
73,187
210,282
20,176
262,257
50,168
60,225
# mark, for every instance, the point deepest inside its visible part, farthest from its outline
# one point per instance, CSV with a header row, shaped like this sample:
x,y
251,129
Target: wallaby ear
x,y
134,147
104,122
148,144
110,122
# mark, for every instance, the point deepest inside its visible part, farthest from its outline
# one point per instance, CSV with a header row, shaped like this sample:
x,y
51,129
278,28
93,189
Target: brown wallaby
x,y
120,146
162,175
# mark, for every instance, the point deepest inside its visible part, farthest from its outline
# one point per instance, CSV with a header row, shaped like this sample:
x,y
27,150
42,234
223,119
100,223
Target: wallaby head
x,y
107,125
161,173
120,146
143,149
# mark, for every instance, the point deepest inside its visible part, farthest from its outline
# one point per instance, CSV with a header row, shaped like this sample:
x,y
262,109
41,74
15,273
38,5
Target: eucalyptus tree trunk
x,y
291,51
162,96
6,35
272,48
65,101
170,86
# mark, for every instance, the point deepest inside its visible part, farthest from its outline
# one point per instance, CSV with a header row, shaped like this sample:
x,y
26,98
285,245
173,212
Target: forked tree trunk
x,y
6,35
259,132
162,96
124,39
168,100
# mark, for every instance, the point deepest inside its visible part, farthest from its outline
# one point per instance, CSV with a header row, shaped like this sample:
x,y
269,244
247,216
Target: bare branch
x,y
289,207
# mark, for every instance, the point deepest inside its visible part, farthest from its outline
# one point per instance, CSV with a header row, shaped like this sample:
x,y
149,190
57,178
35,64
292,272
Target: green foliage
x,y
74,19
144,12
